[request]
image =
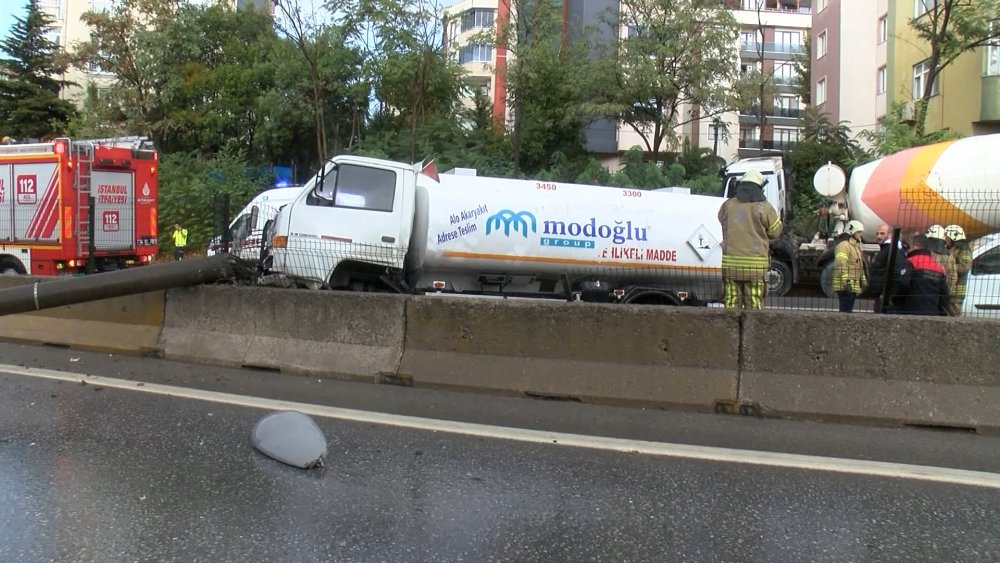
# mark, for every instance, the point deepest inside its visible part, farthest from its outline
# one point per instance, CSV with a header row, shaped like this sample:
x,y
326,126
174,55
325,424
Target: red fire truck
x,y
45,195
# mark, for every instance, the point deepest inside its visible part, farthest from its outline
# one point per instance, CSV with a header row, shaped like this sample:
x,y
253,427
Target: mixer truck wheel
x,y
779,280
11,267
826,281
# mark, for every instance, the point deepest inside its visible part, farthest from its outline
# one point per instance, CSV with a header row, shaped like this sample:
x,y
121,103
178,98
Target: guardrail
x,y
884,369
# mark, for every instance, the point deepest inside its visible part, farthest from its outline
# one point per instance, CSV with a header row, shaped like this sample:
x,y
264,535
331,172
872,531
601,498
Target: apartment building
x,y
870,58
772,37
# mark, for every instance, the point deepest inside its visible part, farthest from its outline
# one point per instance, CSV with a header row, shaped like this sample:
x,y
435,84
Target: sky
x,y
9,9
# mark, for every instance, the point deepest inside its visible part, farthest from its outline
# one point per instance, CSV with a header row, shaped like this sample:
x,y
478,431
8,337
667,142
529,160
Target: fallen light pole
x,y
68,291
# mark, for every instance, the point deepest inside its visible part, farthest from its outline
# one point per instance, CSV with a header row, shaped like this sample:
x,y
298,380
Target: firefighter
x,y
959,249
939,250
748,222
180,236
849,277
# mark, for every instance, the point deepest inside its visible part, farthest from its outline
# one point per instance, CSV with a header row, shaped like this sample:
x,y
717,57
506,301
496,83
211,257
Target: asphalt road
x,y
151,461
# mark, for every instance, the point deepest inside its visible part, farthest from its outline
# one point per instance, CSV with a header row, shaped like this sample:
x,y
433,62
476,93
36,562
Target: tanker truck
x,y
365,224
955,182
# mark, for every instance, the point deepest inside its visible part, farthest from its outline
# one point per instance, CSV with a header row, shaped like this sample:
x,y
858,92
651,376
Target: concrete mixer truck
x,y
956,182
372,225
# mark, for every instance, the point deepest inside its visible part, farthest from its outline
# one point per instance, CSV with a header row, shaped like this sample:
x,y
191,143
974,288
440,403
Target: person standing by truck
x,y
180,236
748,223
959,249
849,277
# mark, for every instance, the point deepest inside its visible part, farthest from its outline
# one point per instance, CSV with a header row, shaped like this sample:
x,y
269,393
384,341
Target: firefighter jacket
x,y
947,261
849,267
923,288
962,255
748,222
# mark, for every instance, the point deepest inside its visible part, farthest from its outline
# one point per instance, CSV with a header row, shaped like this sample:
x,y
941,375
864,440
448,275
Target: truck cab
x,y
352,225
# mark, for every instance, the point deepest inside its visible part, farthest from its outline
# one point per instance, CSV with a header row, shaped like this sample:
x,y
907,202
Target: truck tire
x,y
11,267
779,279
826,281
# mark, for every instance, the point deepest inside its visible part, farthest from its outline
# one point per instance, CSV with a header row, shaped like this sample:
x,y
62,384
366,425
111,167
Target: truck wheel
x,y
11,267
826,281
779,279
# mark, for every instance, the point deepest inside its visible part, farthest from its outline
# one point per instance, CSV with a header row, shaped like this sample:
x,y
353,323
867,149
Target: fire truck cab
x,y
66,201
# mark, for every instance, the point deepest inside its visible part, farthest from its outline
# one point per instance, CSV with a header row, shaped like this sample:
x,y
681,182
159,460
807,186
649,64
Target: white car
x,y
982,292
246,229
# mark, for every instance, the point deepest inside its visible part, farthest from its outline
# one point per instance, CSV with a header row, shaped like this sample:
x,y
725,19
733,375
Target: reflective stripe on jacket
x,y
849,266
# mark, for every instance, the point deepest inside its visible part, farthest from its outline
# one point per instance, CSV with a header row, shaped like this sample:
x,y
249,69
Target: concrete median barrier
x,y
129,324
648,355
311,332
882,368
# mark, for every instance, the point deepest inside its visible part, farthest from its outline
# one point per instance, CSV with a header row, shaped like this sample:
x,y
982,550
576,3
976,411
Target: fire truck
x,y
66,201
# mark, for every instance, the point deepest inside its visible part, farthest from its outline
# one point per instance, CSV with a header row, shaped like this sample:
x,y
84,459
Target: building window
x,y
921,71
921,7
476,18
785,73
821,45
821,91
992,60
883,29
880,81
476,53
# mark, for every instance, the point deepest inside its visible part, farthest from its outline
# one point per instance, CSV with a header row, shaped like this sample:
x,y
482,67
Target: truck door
x,y
357,214
35,202
114,210
6,211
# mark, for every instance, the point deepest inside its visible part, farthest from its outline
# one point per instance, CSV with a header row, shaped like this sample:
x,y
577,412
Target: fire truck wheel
x,y
11,267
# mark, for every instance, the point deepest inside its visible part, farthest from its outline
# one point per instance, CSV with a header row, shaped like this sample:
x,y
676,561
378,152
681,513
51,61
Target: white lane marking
x,y
704,453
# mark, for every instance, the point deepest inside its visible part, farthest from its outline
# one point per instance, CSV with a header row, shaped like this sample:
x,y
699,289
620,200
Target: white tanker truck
x,y
956,182
368,224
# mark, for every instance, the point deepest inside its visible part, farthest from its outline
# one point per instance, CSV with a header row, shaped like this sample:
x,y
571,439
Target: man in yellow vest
x,y
180,236
748,222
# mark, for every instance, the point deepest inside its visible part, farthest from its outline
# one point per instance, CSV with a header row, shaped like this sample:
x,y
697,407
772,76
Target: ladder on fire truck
x,y
83,154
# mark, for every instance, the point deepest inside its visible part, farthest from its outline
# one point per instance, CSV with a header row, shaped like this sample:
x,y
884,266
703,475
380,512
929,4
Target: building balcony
x,y
749,49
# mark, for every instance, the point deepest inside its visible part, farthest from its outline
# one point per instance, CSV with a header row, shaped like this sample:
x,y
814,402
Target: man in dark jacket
x,y
923,286
880,265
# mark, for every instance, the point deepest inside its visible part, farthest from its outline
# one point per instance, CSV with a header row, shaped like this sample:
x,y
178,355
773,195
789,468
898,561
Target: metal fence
x,y
619,273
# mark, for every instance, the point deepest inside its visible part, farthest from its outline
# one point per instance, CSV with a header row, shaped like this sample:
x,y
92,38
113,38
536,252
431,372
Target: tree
x,y
894,134
951,28
30,106
675,64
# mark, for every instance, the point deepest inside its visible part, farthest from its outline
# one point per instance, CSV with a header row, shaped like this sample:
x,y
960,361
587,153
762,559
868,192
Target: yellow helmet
x,y
954,233
754,177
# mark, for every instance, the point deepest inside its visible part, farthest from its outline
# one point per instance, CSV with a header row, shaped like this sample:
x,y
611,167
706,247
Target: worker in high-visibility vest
x,y
180,236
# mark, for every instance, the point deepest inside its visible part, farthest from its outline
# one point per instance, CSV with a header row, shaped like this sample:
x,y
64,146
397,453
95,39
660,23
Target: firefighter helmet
x,y
954,233
935,232
754,177
854,227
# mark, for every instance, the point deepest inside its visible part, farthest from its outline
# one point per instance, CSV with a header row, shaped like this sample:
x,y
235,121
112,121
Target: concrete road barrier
x,y
312,332
642,354
884,368
129,324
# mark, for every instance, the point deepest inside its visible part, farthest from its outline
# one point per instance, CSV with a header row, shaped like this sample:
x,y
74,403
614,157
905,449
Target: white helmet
x,y
854,227
954,233
935,232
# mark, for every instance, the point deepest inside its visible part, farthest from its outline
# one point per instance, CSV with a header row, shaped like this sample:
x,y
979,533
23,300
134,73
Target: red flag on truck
x,y
430,170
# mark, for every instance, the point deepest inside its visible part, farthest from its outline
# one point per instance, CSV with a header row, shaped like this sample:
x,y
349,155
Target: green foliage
x,y
189,183
821,142
894,134
677,54
30,106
